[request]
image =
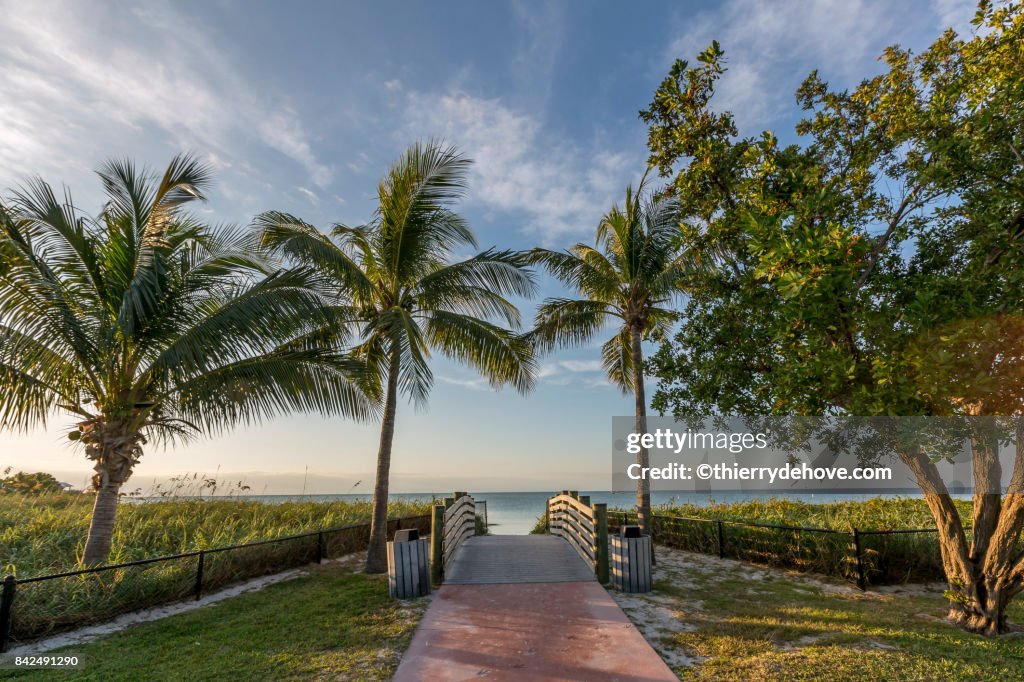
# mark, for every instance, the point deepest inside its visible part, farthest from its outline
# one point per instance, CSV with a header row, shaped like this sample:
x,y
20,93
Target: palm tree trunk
x,y
643,485
115,446
101,528
376,555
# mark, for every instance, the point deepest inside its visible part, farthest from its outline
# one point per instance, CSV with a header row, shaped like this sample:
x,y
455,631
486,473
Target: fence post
x,y
437,544
721,539
319,546
861,581
547,516
199,575
6,611
601,523
654,536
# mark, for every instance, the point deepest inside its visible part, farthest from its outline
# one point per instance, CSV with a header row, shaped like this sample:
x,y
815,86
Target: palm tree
x,y
149,326
635,270
400,285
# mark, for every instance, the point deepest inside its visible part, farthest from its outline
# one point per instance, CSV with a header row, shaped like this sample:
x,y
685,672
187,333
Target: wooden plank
x,y
574,503
407,560
567,519
584,520
437,544
457,528
458,507
601,538
492,559
392,577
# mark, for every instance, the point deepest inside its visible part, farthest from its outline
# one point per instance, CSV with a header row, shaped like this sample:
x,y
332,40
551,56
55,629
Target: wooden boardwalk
x,y
526,608
504,559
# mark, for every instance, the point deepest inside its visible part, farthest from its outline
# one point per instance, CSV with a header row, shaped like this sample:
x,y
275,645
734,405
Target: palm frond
x,y
617,360
569,322
499,355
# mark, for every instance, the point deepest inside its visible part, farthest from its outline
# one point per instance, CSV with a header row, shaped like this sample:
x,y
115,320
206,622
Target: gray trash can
x,y
631,560
408,565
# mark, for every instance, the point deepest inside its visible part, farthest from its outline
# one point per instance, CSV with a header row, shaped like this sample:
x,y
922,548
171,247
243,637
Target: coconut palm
x,y
634,271
150,327
408,296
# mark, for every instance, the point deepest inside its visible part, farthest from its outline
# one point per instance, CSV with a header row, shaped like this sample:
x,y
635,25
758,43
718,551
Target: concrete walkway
x,y
516,626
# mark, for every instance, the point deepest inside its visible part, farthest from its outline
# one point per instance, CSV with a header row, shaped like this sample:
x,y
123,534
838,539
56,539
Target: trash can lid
x,y
407,535
630,531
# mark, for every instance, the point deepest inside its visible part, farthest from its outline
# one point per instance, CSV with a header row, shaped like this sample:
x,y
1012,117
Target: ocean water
x,y
517,513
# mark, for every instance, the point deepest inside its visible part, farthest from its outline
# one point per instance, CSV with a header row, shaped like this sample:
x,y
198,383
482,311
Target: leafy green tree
x,y
23,483
873,270
149,326
635,270
396,280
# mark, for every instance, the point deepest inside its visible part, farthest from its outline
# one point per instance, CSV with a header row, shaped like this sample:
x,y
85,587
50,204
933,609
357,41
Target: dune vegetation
x,y
46,533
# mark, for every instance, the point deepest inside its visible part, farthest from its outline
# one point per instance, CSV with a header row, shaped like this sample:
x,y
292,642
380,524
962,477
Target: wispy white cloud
x,y
472,384
80,80
582,365
571,372
955,14
543,35
771,45
560,189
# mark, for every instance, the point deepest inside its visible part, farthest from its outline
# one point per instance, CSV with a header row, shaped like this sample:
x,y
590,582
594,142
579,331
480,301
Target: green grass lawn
x,y
739,622
333,624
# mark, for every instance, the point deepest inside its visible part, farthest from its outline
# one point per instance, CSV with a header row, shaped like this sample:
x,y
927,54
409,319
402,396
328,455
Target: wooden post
x,y
585,499
601,523
7,611
448,501
437,544
721,540
199,575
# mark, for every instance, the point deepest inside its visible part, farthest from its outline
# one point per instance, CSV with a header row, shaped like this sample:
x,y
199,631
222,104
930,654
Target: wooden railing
x,y
583,525
452,523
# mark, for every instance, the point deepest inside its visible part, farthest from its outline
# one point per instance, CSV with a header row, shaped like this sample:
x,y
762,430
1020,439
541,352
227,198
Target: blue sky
x,y
301,106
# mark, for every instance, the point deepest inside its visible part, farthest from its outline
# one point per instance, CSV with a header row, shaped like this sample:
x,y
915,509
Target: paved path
x,y
499,620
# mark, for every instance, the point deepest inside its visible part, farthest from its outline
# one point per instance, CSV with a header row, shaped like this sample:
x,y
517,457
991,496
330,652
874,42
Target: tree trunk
x,y
116,447
101,528
376,555
985,574
980,605
643,485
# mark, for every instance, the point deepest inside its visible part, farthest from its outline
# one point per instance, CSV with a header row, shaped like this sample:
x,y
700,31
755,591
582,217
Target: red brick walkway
x,y
527,632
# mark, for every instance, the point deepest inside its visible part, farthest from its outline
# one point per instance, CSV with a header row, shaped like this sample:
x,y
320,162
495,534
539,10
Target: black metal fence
x,y
866,557
48,604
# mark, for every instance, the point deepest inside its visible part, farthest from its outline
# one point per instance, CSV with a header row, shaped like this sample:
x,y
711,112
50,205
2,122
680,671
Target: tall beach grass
x,y
46,533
